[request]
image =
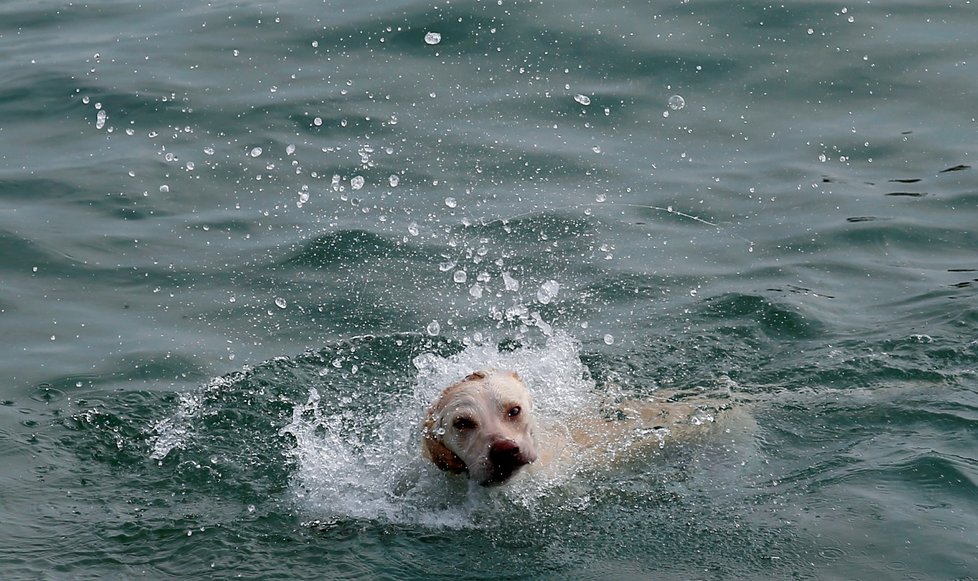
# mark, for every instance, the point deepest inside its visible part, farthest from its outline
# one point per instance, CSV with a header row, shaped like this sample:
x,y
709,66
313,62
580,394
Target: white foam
x,y
554,373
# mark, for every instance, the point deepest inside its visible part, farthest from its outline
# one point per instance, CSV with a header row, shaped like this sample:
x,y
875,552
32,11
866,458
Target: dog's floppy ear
x,y
438,452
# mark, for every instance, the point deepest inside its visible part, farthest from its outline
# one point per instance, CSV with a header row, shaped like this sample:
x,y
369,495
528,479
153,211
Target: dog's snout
x,y
505,458
506,452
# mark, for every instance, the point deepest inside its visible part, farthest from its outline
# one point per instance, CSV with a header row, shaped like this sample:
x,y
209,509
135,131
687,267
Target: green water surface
x,y
240,243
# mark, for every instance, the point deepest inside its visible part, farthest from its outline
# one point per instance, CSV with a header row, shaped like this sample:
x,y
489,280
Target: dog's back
x,y
636,430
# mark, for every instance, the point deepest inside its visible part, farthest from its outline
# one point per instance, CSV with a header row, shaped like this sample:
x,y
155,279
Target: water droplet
x,y
394,180
433,328
290,149
209,150
413,228
255,152
459,276
318,121
676,102
510,283
451,202
164,189
100,119
432,38
609,339
582,99
356,182
280,302
596,149
476,291
548,291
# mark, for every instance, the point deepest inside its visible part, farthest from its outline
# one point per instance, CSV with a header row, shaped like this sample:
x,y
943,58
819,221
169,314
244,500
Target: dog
x,y
484,427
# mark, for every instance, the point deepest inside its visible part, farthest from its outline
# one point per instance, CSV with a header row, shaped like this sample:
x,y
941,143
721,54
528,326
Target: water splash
x,y
548,291
338,432
370,467
510,283
171,433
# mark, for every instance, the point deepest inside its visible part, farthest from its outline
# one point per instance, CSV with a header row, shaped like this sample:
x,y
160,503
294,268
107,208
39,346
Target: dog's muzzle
x,y
505,459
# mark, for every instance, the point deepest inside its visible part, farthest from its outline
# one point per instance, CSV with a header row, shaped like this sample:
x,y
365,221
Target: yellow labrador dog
x,y
484,427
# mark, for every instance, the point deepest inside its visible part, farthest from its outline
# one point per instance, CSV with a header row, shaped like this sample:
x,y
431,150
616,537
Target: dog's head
x,y
482,426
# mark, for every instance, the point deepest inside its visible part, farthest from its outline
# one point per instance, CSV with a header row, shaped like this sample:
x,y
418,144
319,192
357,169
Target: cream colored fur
x,y
484,427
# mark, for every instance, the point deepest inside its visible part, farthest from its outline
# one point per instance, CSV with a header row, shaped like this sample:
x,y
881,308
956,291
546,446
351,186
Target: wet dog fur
x,y
484,427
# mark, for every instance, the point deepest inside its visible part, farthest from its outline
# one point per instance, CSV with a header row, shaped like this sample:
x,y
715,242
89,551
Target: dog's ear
x,y
438,452
475,375
443,457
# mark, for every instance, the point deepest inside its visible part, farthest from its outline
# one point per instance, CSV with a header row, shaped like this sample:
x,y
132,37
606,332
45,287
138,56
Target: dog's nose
x,y
506,452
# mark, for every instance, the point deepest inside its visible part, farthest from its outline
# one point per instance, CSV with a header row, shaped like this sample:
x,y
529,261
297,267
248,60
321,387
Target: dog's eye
x,y
514,411
463,423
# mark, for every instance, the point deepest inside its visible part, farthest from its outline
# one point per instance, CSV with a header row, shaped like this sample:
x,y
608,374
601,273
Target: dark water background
x,y
329,215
